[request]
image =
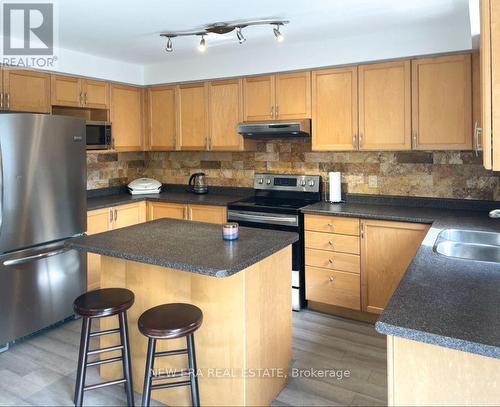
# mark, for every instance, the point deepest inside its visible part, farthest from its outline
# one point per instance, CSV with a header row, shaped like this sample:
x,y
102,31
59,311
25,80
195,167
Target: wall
x,y
430,174
113,169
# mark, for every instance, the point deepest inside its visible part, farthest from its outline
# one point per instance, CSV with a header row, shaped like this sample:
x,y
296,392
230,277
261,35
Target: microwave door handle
x,y
39,256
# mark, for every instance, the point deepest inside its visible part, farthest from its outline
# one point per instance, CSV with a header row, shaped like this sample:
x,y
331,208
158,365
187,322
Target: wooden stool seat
x,y
103,302
169,321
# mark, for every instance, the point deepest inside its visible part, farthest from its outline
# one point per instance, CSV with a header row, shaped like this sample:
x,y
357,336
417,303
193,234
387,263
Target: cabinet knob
x,y
330,261
330,279
330,243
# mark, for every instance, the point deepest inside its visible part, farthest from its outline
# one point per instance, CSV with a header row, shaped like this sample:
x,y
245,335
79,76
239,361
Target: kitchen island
x,y
243,347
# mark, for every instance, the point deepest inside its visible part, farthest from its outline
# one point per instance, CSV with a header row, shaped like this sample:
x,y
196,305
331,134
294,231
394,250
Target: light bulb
x,y
240,36
202,47
170,47
279,37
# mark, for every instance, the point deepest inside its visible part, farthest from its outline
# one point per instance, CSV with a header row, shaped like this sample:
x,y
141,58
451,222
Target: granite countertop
x,y
440,300
186,245
217,196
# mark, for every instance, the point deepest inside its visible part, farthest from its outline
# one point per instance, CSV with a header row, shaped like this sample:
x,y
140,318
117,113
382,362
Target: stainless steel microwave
x,y
99,136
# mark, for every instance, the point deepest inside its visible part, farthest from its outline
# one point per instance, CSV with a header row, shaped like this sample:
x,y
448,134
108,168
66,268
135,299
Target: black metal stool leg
x,y
195,396
127,370
82,361
146,393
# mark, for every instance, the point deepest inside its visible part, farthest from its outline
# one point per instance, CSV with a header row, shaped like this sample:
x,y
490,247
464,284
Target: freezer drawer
x,y
38,287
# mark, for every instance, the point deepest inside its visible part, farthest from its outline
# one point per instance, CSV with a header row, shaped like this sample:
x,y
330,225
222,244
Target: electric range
x,y
276,205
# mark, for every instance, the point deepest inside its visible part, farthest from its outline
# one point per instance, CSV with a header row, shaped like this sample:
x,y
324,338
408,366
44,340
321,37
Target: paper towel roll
x,y
334,179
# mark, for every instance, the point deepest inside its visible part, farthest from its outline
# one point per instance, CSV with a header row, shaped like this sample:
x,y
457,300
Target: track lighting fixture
x,y
202,47
240,36
277,33
224,28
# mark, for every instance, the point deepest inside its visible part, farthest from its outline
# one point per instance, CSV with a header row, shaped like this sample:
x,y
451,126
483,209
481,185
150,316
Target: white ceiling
x,y
127,31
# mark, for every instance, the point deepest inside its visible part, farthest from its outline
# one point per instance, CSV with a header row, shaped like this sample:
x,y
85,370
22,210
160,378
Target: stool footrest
x,y
171,353
169,385
180,373
102,350
105,332
104,384
105,361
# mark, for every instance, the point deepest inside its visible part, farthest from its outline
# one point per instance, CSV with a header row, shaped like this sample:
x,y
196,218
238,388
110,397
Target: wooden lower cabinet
x,y
333,287
199,213
387,249
357,264
103,220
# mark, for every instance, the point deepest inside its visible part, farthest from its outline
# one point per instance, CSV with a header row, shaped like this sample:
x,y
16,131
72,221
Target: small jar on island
x,y
230,231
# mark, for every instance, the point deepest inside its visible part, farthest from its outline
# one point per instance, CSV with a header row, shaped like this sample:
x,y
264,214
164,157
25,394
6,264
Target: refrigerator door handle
x,y
27,259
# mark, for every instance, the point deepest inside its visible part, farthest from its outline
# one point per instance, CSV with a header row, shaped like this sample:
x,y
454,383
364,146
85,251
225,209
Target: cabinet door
x,y
66,91
192,116
259,98
126,117
225,106
26,91
442,103
208,214
387,249
98,221
162,134
128,215
293,96
335,109
385,106
95,94
158,210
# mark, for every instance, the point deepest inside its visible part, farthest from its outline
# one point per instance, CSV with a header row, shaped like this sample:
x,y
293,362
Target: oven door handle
x,y
289,220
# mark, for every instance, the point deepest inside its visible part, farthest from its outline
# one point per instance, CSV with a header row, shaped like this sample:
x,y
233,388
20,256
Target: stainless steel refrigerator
x,y
42,204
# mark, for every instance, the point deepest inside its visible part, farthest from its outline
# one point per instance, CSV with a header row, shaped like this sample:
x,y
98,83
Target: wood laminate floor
x,y
41,369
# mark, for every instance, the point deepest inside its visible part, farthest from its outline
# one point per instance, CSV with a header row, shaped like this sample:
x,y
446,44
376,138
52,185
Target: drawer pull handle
x,y
330,279
330,243
330,261
330,225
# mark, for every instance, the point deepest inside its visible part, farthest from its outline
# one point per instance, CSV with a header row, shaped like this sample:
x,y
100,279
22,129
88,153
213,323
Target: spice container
x,y
230,231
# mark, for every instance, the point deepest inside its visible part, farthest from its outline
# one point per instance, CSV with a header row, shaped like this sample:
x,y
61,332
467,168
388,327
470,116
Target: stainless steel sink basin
x,y
469,245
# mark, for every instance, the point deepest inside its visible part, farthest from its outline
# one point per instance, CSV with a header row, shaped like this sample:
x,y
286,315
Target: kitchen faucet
x,y
495,214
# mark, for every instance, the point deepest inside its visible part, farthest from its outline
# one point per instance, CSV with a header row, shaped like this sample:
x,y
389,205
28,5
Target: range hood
x,y
276,129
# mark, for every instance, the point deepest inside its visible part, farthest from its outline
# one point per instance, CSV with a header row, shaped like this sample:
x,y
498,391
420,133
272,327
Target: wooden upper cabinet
x,y
385,106
490,83
387,249
162,131
66,91
225,112
192,116
259,98
442,103
335,109
26,91
293,96
126,117
95,94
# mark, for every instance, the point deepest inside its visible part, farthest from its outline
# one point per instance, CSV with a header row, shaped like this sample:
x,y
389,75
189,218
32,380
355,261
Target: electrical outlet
x,y
372,181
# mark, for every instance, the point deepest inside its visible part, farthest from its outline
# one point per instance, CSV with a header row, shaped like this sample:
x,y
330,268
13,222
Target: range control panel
x,y
299,183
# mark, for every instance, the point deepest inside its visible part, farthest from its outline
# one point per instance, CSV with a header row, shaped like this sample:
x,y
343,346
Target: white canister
x,y
334,180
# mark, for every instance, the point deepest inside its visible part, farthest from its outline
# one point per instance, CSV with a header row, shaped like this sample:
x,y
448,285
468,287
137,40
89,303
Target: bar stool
x,y
97,304
170,321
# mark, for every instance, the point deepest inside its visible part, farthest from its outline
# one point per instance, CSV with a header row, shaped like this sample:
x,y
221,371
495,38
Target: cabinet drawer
x,y
332,242
332,224
333,287
333,260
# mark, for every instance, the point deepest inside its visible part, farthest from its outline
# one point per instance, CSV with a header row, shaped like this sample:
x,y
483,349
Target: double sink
x,y
469,245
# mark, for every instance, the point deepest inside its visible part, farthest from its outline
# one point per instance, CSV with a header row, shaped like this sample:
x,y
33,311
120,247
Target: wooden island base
x,y
243,347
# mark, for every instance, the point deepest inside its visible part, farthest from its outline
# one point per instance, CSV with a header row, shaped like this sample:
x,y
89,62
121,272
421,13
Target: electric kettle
x,y
198,184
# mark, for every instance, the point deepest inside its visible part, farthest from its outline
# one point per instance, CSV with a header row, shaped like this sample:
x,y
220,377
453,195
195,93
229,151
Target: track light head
x,y
277,33
170,47
240,36
202,46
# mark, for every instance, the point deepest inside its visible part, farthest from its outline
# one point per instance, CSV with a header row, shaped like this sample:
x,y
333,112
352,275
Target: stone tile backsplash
x,y
444,174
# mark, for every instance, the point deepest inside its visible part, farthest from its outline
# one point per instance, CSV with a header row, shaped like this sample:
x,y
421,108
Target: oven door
x,y
279,221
